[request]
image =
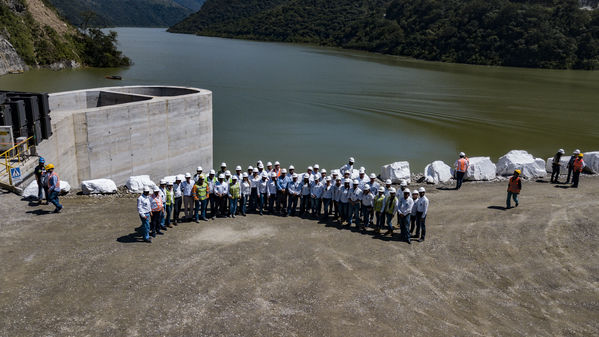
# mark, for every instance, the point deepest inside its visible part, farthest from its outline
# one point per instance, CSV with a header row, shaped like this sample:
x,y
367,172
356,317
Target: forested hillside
x,y
526,33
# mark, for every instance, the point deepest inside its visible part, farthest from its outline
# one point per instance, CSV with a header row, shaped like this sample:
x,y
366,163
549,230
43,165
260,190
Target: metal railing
x,y
15,155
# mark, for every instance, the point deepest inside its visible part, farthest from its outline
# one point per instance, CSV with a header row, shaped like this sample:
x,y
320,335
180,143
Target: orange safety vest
x,y
50,180
578,164
278,172
156,203
463,164
514,185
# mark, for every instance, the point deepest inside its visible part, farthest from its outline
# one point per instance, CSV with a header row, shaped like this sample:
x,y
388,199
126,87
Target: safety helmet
x,y
306,176
244,175
187,175
351,159
212,172
338,179
199,168
361,171
329,179
234,178
414,192
561,151
283,171
323,171
272,174
250,168
42,160
316,178
316,166
255,170
392,190
146,189
169,183
366,187
223,164
162,182
260,166
227,173
49,166
269,164
407,190
201,176
277,163
294,176
372,176
388,181
291,167
518,171
221,176
310,168
156,189
238,168
462,154
581,155
355,182
381,189
577,151
421,190
403,183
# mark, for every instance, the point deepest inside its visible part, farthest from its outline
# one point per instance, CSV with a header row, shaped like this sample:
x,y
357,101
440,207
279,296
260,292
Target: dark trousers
x,y
380,220
281,202
271,203
305,205
316,205
262,202
243,204
327,205
367,215
222,207
336,204
253,199
292,205
178,202
421,225
155,222
404,224
554,173
413,220
575,179
54,200
570,170
460,179
169,212
213,205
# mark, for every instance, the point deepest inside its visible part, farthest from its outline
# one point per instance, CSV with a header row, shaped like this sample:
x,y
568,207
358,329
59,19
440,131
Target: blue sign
x,y
15,173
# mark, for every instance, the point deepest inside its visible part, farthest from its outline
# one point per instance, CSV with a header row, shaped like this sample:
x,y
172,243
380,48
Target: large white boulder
x,y
65,187
437,172
98,186
518,159
563,163
136,184
171,179
31,190
481,168
591,159
397,172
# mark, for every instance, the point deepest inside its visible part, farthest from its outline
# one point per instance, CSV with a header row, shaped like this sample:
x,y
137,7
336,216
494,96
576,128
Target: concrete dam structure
x,y
118,132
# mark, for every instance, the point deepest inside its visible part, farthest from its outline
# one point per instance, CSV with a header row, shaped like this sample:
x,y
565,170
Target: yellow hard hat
x,y
518,171
49,166
581,155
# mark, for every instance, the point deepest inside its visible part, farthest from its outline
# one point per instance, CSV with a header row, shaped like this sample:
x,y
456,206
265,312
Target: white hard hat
x,y
323,171
362,171
306,176
346,181
356,182
291,167
244,175
388,181
316,178
372,176
255,170
561,151
187,175
259,162
338,179
169,184
260,166
199,168
414,192
351,159
421,190
234,178
403,183
269,164
156,189
146,189
162,181
366,187
577,151
227,173
272,174
462,154
238,168
179,177
392,190
283,171
316,166
381,189
294,175
277,163
212,172
264,176
328,178
310,168
223,164
407,190
335,173
221,176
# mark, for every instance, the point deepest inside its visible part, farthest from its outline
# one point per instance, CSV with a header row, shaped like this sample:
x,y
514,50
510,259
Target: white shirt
x,y
422,206
317,190
221,188
374,186
350,180
344,194
414,208
211,182
162,196
387,193
405,205
306,188
355,195
261,185
337,192
271,188
367,199
143,205
254,181
245,189
328,191
177,190
187,187
346,167
294,187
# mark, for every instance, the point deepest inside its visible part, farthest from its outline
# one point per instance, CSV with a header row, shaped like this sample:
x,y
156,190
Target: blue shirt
x,y
282,183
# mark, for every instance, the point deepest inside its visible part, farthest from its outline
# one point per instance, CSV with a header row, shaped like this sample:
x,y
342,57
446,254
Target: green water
x,y
301,105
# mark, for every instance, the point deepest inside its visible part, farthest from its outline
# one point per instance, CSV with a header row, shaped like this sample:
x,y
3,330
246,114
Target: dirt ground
x,y
532,270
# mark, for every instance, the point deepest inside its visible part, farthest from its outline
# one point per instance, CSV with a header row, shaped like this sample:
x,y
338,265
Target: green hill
x,y
125,13
525,33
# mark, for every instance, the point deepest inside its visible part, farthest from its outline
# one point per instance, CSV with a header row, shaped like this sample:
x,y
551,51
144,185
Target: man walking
x,y
144,208
53,187
513,189
461,166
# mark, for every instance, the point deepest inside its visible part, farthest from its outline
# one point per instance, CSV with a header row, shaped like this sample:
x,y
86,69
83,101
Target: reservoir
x,y
302,104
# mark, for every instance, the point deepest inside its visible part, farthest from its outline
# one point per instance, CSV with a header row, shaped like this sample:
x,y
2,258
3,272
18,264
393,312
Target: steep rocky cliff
x,y
10,61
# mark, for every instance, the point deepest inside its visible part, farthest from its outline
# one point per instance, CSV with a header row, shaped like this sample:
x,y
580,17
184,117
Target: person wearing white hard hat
x,y
347,177
367,200
223,168
355,195
337,198
221,193
316,191
157,208
262,193
162,189
388,187
349,167
323,176
201,191
344,194
374,185
294,189
378,208
199,171
405,209
421,212
261,171
571,164
305,195
327,196
246,190
391,207
234,195
169,203
271,192
291,170
186,188
211,181
178,194
239,176
362,178
228,176
310,173
250,171
556,165
282,183
144,209
461,167
413,215
269,168
277,169
254,181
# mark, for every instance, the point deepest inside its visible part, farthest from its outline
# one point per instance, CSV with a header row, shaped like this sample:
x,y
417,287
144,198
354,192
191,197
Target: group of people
x,y
575,166
340,196
48,184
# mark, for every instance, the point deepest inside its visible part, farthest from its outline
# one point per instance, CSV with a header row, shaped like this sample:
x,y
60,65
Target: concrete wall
x,y
157,135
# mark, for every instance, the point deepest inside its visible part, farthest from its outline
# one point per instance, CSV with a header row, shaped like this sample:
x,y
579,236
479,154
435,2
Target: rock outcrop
x,y
481,168
10,61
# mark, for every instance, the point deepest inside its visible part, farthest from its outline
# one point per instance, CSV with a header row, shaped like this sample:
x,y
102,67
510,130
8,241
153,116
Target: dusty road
x,y
533,270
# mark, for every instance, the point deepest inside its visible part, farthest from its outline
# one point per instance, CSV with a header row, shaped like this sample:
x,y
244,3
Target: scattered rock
x,y
98,186
397,172
518,159
136,184
481,168
437,172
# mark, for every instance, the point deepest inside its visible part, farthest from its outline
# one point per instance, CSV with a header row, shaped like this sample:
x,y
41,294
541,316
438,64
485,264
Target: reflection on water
x,y
301,105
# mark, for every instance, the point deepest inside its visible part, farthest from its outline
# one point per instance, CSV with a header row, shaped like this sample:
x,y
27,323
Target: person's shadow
x,y
39,212
445,188
132,237
499,208
563,186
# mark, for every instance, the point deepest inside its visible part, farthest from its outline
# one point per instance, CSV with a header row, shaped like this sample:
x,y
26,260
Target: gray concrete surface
x,y
482,271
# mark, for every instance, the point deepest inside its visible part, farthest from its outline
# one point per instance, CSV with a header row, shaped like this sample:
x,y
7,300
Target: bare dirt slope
x,y
533,270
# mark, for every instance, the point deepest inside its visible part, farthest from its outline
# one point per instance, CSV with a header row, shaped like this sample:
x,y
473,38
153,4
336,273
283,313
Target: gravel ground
x,y
532,270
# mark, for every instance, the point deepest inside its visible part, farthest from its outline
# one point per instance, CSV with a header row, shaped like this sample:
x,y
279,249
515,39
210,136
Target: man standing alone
x,y
461,167
513,189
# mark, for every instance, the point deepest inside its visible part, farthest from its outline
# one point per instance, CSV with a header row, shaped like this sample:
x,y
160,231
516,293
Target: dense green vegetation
x,y
526,33
41,45
124,13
